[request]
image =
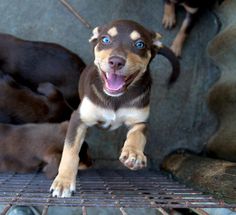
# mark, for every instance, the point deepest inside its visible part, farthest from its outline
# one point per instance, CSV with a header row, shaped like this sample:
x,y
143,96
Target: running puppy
x,y
114,90
169,19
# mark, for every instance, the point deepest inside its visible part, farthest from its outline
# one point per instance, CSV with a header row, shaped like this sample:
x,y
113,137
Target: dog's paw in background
x,y
169,17
169,20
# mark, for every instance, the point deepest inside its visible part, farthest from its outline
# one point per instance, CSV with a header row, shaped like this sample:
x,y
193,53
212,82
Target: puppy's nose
x,y
116,63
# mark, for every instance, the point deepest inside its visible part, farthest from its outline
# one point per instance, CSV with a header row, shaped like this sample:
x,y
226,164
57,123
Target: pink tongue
x,y
115,82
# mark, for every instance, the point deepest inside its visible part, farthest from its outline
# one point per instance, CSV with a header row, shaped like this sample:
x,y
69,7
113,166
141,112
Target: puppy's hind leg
x,y
185,29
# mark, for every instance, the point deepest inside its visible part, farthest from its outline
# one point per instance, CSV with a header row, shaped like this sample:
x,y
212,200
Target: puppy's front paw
x,y
62,187
133,159
169,21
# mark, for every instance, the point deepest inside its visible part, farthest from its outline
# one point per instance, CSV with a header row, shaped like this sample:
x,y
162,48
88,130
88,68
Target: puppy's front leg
x,y
132,155
65,182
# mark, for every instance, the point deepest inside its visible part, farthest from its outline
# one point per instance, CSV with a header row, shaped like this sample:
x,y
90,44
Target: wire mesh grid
x,y
106,188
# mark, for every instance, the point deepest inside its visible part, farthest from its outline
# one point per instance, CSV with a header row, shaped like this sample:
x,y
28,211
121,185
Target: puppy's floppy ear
x,y
156,40
94,37
156,43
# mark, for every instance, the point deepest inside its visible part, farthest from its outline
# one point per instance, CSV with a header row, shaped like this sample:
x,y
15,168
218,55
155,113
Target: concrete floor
x,y
179,116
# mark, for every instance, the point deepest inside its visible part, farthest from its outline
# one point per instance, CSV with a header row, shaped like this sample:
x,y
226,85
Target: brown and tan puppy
x,y
115,90
192,8
29,147
31,63
19,104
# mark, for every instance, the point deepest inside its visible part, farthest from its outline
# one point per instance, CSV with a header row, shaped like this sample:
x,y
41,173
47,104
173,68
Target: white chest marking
x,y
91,114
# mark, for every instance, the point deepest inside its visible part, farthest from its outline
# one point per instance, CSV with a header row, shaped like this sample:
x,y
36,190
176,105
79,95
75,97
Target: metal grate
x,y
106,188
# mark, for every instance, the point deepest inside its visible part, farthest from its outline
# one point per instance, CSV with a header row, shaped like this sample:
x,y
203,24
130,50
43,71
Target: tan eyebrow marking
x,y
112,32
135,35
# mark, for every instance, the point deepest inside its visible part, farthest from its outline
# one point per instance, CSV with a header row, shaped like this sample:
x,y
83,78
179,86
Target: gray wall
x,y
222,97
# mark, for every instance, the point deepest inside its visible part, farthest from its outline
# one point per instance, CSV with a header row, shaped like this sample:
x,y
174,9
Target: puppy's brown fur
x,y
114,91
31,63
19,104
29,147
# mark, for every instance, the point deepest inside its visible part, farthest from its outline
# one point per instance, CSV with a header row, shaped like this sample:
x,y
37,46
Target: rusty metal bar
x,y
76,13
6,209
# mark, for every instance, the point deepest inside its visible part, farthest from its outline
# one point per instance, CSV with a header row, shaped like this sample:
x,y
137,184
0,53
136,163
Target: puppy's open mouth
x,y
116,84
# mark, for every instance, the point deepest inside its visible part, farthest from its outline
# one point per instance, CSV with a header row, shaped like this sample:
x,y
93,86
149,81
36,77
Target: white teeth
x,y
107,74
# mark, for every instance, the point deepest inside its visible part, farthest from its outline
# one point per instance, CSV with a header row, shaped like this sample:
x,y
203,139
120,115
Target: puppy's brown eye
x,y
139,44
106,40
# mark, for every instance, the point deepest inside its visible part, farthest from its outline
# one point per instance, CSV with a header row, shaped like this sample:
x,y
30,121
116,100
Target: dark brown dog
x,y
114,91
192,8
32,63
19,104
26,148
